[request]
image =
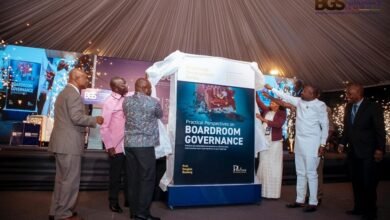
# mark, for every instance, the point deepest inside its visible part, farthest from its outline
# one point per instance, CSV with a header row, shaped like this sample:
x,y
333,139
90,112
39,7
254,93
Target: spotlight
x,y
274,72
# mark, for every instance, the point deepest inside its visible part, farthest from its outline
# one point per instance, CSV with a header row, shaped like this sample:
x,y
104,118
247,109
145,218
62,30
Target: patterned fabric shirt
x,y
141,114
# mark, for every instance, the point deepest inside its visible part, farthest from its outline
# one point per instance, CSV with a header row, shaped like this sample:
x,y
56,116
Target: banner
x,y
280,83
214,141
23,89
32,78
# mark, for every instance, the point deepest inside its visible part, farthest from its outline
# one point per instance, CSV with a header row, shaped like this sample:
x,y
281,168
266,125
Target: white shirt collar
x,y
77,89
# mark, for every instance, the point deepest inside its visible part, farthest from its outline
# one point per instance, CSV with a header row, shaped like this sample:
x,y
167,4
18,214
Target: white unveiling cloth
x,y
169,68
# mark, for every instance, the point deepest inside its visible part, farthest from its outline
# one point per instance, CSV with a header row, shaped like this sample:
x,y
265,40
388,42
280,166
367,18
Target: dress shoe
x,y
74,217
51,217
353,212
307,201
295,205
116,208
310,208
147,217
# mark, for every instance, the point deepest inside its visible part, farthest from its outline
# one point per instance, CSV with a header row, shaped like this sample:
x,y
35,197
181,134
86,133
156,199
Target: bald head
x,y
355,86
309,93
118,85
74,74
143,85
78,78
354,93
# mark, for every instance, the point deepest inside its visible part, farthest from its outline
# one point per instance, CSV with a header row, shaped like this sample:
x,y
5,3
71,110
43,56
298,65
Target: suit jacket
x,y
141,126
70,120
367,133
277,123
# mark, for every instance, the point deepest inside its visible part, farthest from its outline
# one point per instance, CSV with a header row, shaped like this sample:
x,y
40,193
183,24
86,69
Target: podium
x,y
46,125
216,194
25,134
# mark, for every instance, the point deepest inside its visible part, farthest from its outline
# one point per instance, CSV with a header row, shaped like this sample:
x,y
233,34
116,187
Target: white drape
x,y
168,68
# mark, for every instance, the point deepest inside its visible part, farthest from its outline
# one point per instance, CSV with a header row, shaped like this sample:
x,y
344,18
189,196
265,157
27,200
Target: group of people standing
x,y
363,137
129,130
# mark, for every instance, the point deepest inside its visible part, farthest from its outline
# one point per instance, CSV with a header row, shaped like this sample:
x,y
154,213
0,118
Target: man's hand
x,y
267,86
321,151
378,155
340,148
99,120
111,152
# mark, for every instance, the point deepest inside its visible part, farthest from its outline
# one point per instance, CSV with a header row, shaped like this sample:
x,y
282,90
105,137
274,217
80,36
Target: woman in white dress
x,y
270,167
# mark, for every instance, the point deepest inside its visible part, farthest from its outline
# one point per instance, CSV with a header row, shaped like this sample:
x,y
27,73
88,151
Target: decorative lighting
x,y
274,72
338,117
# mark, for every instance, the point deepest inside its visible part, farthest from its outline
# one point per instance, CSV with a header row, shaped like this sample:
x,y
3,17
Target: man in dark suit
x,y
141,136
67,143
364,137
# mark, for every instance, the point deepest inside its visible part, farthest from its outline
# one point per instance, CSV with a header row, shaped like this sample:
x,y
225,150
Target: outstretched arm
x,y
279,101
260,104
286,97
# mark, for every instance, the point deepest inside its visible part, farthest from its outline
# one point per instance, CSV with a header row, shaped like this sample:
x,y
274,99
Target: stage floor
x,y
93,205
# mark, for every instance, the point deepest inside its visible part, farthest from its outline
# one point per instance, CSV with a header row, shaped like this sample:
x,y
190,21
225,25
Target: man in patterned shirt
x,y
141,136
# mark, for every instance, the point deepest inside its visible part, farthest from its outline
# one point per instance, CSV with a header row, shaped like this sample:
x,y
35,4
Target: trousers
x,y
306,169
141,166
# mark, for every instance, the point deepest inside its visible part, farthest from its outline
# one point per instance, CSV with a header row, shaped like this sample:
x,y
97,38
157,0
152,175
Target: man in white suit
x,y
311,127
67,143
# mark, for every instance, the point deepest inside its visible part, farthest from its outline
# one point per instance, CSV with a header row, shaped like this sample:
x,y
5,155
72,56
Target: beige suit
x,y
67,144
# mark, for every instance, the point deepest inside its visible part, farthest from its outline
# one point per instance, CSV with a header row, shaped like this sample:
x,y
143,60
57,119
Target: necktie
x,y
353,113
